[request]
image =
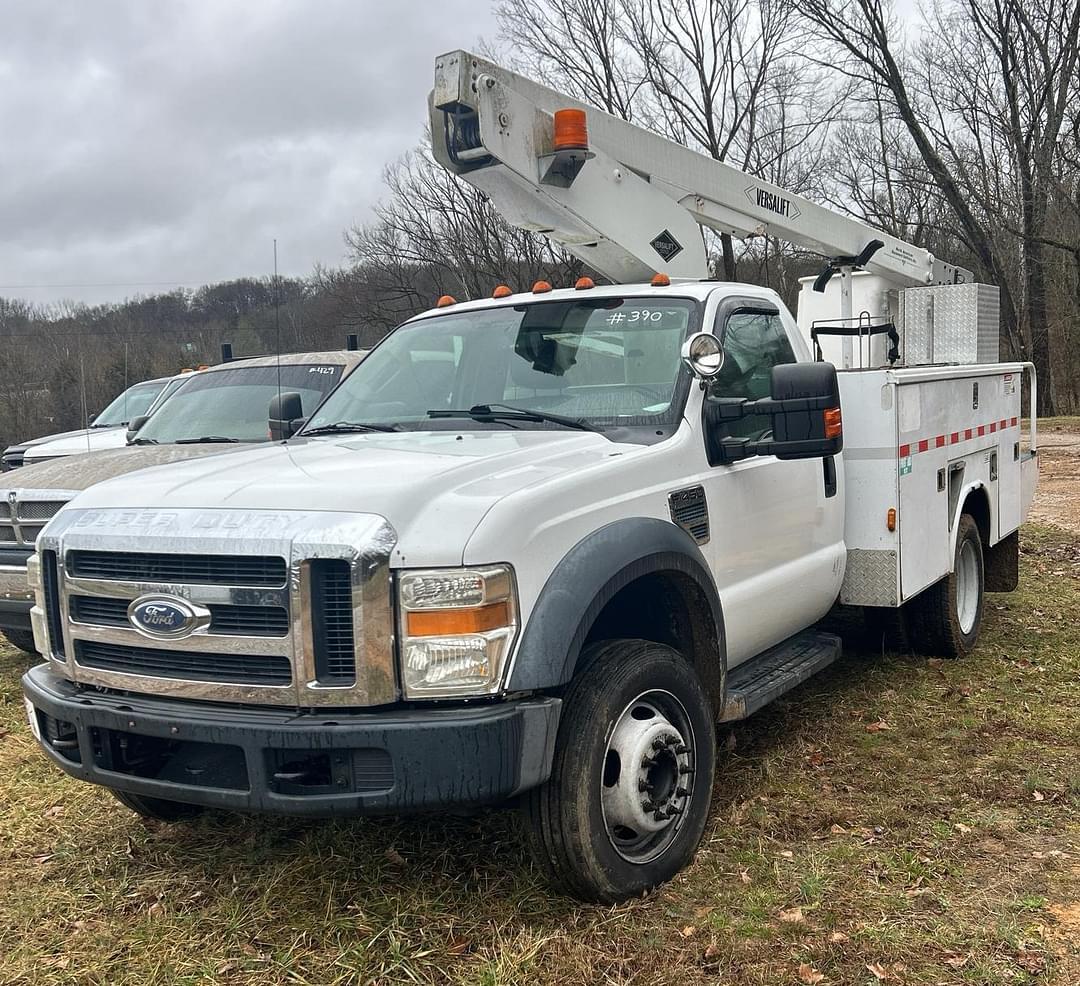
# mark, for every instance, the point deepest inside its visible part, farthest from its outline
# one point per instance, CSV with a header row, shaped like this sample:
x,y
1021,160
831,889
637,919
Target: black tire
x,y
944,620
648,687
23,639
158,809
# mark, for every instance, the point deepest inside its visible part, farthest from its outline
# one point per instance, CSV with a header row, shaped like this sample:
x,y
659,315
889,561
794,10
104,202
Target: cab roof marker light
x,y
502,291
584,283
446,301
661,280
541,287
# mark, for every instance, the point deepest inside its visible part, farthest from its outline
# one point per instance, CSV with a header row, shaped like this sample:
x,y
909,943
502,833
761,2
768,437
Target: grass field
x,y
897,819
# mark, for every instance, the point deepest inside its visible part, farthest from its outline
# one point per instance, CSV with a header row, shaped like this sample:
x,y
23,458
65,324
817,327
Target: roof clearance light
x,y
501,291
571,132
541,287
583,284
445,301
661,281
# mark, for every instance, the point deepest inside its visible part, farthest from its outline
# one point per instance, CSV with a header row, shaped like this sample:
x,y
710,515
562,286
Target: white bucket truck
x,y
539,544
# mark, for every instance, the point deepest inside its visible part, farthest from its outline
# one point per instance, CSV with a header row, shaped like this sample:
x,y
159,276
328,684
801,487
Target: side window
x,y
754,342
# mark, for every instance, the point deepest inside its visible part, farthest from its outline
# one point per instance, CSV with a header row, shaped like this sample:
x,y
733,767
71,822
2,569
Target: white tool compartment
x,y
918,441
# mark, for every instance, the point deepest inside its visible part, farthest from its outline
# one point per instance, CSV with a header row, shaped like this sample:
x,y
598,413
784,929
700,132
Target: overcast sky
x,y
148,144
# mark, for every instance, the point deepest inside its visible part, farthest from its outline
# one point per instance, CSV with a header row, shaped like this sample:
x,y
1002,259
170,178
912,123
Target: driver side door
x,y
777,544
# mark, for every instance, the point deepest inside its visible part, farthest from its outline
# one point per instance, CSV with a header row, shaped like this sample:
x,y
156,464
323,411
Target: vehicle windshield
x,y
130,404
608,362
234,404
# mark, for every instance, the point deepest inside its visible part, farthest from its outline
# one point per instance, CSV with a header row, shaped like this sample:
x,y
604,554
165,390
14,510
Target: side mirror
x,y
804,408
286,416
91,419
135,424
704,355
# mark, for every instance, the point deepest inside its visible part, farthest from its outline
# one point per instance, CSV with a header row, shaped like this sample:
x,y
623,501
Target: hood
x,y
433,487
74,442
78,472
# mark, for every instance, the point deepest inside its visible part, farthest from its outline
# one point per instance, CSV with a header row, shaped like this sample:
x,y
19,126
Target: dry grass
x,y
897,817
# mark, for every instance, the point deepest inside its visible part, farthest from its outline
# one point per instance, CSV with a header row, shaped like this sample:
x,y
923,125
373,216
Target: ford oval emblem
x,y
167,616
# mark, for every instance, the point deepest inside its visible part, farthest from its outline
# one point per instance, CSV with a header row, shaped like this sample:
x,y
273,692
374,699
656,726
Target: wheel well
x,y
978,505
668,608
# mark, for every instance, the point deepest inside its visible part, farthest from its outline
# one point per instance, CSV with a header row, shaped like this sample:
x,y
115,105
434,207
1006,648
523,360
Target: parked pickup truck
x,y
106,430
217,409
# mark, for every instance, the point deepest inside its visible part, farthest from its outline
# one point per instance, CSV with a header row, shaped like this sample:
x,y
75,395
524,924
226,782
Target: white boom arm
x,y
632,206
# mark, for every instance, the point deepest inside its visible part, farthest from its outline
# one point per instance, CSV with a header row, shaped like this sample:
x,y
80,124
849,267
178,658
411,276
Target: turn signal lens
x,y
445,301
571,131
834,425
661,281
583,284
502,291
541,287
890,519
451,622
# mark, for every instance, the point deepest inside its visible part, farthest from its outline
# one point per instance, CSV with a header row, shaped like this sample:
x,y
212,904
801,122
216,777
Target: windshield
x,y
609,362
130,404
234,404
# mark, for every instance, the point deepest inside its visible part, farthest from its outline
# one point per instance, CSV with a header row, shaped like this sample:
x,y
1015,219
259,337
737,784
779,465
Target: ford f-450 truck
x,y
537,545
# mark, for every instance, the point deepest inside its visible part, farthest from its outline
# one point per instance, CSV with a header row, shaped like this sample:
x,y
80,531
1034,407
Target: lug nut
x,y
686,770
648,762
659,816
673,810
683,748
682,792
647,806
658,744
642,786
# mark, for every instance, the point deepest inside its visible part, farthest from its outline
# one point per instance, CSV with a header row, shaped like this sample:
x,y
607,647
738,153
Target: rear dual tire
x,y
628,797
945,620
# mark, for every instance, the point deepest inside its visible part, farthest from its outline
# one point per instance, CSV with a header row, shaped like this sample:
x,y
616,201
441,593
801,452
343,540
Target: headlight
x,y
457,628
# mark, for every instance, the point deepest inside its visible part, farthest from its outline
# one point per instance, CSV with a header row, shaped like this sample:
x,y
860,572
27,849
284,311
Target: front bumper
x,y
16,596
333,762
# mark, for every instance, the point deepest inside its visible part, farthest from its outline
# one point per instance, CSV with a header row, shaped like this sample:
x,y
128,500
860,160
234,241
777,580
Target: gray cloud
x,y
170,142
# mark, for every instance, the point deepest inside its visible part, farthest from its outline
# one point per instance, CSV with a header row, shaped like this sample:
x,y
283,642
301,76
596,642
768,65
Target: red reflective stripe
x,y
955,437
993,427
905,451
1003,424
982,431
1013,422
923,445
967,434
940,441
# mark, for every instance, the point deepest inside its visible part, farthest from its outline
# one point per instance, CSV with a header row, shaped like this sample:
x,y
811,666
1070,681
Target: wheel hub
x,y
648,776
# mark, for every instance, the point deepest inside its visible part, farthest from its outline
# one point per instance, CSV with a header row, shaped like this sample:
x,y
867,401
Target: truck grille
x,y
124,566
21,522
241,621
332,621
246,669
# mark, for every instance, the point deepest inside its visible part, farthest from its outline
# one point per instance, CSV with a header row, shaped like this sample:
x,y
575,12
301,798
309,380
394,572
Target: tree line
x,y
959,133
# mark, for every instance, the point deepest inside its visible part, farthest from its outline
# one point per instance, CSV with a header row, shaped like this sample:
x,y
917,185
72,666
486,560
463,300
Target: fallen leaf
x,y
877,970
394,857
226,967
744,876
809,975
877,727
838,830
792,915
1031,961
712,951
1037,795
962,828
788,854
689,931
54,812
957,961
156,909
838,936
457,946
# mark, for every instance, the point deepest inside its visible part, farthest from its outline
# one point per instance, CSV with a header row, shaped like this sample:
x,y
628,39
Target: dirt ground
x,y
1057,500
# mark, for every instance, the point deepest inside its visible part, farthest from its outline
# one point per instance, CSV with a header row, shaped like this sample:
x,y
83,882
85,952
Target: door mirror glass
x,y
135,424
704,355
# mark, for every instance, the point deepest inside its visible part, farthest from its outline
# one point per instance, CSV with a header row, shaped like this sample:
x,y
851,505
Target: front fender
x,y
587,578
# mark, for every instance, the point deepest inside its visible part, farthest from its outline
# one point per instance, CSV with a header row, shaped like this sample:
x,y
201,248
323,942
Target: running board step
x,y
767,676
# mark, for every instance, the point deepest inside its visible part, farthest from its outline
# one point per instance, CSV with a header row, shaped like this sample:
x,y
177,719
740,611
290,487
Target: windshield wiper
x,y
144,441
507,412
204,438
343,427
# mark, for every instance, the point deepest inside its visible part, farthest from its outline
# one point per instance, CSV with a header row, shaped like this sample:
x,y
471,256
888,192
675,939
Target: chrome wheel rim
x,y
967,587
647,781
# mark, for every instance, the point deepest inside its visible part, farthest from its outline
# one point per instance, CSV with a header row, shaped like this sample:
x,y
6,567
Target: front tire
x,y
945,619
628,797
23,639
158,809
